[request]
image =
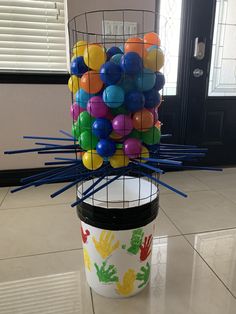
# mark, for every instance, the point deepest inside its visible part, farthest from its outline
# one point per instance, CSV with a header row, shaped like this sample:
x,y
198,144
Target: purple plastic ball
x,y
96,107
122,124
132,147
75,110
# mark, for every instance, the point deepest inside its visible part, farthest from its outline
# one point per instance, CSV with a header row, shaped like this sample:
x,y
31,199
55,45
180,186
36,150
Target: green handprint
x,y
144,275
106,275
136,241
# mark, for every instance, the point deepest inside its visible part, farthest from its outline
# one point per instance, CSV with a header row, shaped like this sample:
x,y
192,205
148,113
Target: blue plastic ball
x,y
110,73
82,98
160,81
116,58
78,67
127,83
152,98
106,148
152,47
102,127
134,101
113,96
113,51
145,80
131,63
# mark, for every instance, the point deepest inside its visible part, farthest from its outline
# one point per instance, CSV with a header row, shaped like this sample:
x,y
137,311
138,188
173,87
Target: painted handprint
x,y
87,260
143,275
136,241
106,275
104,246
146,248
84,234
127,286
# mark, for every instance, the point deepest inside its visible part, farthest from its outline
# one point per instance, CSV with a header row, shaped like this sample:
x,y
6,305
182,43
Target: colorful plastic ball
x,y
102,127
152,136
113,51
152,47
115,136
82,98
110,73
122,124
135,134
113,96
144,154
154,59
131,63
91,160
119,110
109,115
75,110
151,39
134,101
119,159
145,80
154,113
79,47
91,82
94,56
152,98
78,67
143,120
160,81
74,83
127,83
135,44
132,147
87,140
96,107
116,58
85,121
75,131
106,147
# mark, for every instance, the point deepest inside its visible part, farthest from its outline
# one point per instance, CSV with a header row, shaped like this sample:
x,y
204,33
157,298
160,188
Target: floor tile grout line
x,y
39,254
92,301
184,236
217,276
4,197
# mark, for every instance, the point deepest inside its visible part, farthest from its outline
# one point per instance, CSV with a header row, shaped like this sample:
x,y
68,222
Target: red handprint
x,y
145,248
84,234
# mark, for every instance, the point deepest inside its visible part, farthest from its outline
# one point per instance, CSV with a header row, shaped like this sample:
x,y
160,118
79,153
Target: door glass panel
x,y
170,22
223,62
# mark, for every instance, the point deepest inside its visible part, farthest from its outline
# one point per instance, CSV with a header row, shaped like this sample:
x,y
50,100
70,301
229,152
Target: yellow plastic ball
x,y
115,136
154,60
144,154
73,83
119,159
91,160
94,56
79,47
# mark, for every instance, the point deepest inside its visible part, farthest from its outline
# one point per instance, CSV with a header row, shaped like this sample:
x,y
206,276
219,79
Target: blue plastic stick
x,y
148,167
163,161
177,145
99,188
50,163
41,149
164,184
200,168
68,151
183,150
46,144
68,159
166,135
95,183
47,138
67,134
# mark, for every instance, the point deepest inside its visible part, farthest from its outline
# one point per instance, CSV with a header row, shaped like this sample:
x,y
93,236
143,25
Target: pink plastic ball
x,y
132,147
96,107
122,124
75,110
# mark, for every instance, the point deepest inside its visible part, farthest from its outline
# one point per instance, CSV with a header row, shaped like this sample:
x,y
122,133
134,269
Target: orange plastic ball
x,y
135,44
151,39
91,82
143,120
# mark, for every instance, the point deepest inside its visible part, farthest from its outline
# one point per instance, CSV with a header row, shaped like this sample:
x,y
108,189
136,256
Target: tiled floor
x,y
193,262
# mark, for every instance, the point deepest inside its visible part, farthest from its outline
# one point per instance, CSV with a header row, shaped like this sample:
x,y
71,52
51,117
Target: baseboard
x,y
12,177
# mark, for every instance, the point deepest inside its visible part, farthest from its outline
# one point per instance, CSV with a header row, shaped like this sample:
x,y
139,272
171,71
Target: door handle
x,y
199,49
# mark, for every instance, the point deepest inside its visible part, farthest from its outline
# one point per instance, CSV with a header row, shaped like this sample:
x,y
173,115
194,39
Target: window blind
x,y
32,36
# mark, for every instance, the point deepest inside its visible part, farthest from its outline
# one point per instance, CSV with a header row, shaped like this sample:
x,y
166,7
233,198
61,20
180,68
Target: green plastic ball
x,y
85,121
152,136
87,140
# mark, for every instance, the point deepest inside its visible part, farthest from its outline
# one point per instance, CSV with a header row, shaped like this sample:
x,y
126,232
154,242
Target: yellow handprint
x,y
87,260
127,287
104,245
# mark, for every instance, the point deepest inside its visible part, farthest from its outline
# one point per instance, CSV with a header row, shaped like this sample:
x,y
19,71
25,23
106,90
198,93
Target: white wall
x,y
43,109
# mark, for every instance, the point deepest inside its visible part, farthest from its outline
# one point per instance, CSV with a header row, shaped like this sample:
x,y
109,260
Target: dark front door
x,y
205,105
